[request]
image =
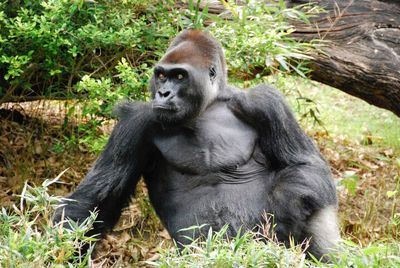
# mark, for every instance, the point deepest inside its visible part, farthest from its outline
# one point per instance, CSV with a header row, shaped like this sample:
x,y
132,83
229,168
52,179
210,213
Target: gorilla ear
x,y
212,73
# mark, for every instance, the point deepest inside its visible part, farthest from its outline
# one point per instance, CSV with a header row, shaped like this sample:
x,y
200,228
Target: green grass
x,y
341,113
246,251
28,237
241,251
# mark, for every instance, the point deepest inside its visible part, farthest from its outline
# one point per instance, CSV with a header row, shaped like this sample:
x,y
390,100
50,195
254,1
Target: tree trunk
x,y
362,56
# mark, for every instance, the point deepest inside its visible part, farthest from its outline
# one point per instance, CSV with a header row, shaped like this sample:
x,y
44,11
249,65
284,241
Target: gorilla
x,y
211,155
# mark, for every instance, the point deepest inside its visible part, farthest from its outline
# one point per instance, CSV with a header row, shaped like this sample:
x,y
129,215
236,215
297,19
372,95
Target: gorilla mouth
x,y
165,107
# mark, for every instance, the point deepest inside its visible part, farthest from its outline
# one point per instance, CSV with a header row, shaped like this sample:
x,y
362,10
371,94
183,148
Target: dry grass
x,y
366,212
32,149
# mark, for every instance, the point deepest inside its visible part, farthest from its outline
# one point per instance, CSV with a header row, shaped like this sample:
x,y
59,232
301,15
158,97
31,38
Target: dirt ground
x,y
34,147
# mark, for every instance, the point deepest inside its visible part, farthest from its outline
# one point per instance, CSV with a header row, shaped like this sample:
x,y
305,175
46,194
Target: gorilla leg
x,y
324,231
304,207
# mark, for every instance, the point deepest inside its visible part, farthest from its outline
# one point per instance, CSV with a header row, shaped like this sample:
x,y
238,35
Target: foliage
x,y
257,37
28,237
48,46
101,96
96,51
64,43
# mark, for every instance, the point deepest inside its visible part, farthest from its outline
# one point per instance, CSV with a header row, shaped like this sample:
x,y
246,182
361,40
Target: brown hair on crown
x,y
197,48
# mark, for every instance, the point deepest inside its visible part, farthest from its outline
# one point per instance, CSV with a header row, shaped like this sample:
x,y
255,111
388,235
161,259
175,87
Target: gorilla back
x,y
211,154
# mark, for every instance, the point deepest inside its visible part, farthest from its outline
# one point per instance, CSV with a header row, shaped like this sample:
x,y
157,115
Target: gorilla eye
x,y
213,73
161,76
179,76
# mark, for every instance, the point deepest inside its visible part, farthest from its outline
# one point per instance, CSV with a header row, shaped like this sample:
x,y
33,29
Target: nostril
x,y
164,94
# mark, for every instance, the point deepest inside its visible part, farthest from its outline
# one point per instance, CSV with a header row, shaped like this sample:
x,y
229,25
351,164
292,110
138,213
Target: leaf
x,y
373,250
350,183
349,243
398,162
391,193
282,61
47,183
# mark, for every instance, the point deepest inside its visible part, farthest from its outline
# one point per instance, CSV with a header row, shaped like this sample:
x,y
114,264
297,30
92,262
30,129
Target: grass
x,y
216,250
362,144
342,114
28,238
246,251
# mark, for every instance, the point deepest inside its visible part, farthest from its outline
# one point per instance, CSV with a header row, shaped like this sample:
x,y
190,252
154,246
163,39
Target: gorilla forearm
x,y
281,138
112,180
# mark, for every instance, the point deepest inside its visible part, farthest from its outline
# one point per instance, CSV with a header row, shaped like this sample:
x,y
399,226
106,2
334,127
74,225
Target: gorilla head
x,y
188,78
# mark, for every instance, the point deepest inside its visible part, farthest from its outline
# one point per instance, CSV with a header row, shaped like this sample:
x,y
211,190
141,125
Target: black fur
x,y
211,154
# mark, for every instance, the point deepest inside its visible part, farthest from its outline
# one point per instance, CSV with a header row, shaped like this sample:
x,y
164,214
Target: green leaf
x,y
391,193
282,61
350,183
374,250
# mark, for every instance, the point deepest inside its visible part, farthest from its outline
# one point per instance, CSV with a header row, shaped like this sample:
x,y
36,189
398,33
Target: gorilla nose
x,y
164,94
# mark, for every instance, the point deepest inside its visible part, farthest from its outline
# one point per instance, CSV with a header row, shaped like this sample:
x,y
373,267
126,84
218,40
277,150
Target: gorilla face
x,y
181,91
177,95
188,78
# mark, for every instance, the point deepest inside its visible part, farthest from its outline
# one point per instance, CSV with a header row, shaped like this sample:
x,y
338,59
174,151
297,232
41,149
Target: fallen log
x,y
361,55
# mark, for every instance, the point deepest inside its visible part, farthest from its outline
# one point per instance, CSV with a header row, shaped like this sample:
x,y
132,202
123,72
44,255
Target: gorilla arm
x,y
282,140
303,195
112,180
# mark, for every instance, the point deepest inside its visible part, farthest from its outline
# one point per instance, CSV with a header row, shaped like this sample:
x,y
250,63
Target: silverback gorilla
x,y
211,154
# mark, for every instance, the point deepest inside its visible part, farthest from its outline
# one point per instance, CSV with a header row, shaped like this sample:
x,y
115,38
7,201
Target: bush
x,y
48,46
258,40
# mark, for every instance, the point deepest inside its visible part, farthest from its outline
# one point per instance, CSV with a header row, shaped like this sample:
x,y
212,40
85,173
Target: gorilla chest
x,y
217,139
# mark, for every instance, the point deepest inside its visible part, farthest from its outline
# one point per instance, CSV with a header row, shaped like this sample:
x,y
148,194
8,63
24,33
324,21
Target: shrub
x,y
48,46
